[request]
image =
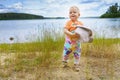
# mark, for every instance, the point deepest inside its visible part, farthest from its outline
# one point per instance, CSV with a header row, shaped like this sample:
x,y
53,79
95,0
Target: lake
x,y
30,30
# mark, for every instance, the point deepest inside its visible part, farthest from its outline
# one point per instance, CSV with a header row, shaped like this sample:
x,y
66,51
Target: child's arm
x,y
69,34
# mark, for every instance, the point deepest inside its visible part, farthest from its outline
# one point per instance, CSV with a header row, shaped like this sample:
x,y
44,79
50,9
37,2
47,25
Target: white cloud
x,y
111,1
96,8
17,5
50,1
2,11
60,7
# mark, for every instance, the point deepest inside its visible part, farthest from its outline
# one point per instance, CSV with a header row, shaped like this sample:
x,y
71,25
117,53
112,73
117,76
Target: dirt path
x,y
90,69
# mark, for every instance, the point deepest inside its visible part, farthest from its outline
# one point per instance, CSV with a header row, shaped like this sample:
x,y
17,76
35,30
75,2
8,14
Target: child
x,y
72,43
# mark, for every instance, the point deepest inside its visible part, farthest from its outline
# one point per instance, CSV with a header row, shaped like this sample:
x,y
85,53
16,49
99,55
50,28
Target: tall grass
x,y
49,44
41,52
102,47
104,53
47,52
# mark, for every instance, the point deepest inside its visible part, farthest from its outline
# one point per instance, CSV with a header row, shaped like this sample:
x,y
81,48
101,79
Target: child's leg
x,y
76,58
67,50
76,61
66,53
77,53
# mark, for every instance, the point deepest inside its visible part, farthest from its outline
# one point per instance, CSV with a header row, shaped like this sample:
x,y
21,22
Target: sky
x,y
57,8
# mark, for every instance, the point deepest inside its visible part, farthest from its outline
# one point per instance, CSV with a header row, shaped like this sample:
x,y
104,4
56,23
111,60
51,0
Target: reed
x,y
101,47
47,53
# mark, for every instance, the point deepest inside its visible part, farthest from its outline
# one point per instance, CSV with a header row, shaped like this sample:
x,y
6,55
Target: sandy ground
x,y
91,68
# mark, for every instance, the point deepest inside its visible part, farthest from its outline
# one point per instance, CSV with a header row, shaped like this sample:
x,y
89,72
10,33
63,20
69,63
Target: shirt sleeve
x,y
67,25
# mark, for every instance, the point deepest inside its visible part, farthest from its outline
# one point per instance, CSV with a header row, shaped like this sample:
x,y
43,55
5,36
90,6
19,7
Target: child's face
x,y
74,14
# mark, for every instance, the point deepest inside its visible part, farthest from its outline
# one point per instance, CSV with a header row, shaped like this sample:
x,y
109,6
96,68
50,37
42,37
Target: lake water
x,y
30,30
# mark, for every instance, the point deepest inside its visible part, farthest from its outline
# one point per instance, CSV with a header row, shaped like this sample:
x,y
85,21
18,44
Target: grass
x,y
102,47
43,58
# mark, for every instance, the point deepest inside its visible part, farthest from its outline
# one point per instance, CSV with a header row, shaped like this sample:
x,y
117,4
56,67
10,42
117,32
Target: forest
x,y
16,16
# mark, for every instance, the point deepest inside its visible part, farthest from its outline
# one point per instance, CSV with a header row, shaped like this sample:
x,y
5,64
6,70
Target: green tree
x,y
112,12
113,8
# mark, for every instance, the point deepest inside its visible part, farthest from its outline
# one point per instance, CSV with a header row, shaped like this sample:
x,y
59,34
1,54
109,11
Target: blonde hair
x,y
74,7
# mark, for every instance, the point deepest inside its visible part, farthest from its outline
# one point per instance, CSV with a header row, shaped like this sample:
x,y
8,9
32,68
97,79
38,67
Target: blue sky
x,y
53,8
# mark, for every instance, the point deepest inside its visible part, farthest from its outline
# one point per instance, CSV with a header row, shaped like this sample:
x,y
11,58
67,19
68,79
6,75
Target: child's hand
x,y
74,36
71,35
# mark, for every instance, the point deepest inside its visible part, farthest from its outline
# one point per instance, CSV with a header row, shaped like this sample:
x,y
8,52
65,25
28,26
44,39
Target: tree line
x,y
21,16
15,16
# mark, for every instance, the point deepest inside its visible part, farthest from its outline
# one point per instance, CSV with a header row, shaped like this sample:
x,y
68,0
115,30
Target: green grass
x,y
43,53
102,47
27,57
